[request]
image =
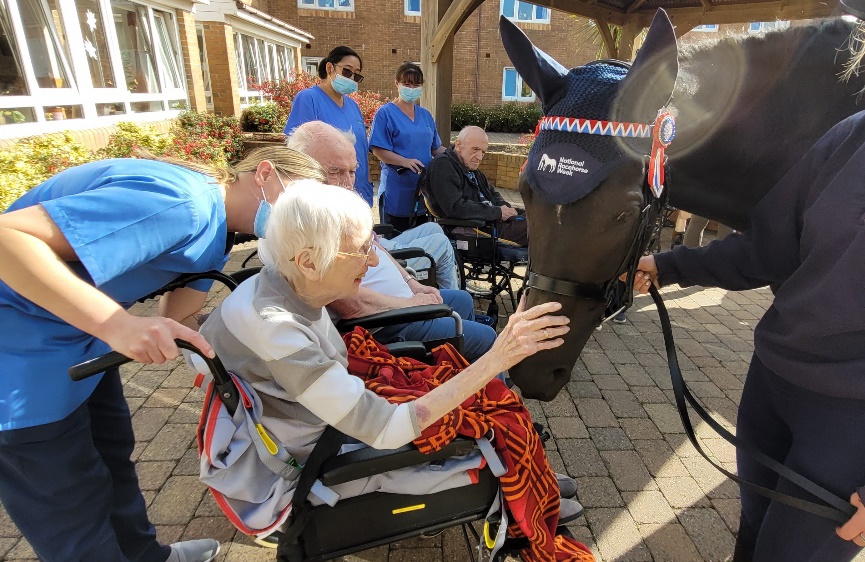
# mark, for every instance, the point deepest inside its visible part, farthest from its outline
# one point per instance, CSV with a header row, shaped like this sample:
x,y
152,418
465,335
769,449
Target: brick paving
x,y
647,493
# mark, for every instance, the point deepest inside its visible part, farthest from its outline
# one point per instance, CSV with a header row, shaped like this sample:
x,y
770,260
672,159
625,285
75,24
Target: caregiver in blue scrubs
x,y
405,139
76,252
329,102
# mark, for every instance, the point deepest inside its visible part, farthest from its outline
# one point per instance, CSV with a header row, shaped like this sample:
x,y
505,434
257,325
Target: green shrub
x,y
33,160
267,117
507,118
130,136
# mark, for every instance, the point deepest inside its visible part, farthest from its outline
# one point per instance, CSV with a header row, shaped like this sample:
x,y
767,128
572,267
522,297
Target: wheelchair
x,y
482,255
324,532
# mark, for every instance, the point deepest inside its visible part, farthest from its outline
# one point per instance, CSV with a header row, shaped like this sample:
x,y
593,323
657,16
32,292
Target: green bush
x,y
267,117
198,137
33,160
130,136
507,118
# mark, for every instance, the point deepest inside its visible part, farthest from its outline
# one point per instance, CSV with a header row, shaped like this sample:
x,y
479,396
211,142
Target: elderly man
x,y
462,191
317,139
387,286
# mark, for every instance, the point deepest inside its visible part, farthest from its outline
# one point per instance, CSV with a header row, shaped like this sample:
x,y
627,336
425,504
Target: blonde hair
x,y
286,160
310,214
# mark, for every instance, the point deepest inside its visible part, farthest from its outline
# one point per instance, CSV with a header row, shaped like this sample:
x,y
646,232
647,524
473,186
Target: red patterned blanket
x,y
529,486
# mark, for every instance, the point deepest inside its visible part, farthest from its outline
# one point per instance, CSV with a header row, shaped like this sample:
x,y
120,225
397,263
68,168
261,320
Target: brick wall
x,y
385,37
219,39
96,138
502,169
191,60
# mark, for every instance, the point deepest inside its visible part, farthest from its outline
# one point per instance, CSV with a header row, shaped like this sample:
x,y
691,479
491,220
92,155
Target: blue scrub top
x,y
135,226
393,130
313,104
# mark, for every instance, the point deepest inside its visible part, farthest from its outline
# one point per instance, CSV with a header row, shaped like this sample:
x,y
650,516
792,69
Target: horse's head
x,y
584,193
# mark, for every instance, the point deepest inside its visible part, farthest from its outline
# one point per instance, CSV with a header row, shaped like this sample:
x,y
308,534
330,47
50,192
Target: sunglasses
x,y
356,76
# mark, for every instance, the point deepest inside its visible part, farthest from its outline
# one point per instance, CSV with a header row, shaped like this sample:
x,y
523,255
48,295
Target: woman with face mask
x,y
405,139
77,252
329,101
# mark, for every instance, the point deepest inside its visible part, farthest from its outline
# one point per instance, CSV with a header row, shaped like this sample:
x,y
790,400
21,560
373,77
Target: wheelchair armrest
x,y
397,316
242,275
414,349
384,229
407,253
471,223
367,462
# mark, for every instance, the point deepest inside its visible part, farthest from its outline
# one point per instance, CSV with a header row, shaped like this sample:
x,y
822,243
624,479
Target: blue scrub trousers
x,y
822,438
71,488
477,338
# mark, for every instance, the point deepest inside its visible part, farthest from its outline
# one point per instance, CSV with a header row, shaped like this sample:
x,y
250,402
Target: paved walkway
x,y
648,496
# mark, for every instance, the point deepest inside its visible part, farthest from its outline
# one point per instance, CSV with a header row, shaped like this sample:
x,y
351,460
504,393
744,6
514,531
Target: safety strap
x,y
490,455
838,509
496,515
328,445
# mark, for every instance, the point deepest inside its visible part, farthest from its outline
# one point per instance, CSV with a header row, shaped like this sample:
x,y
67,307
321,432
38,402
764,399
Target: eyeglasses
x,y
348,73
361,254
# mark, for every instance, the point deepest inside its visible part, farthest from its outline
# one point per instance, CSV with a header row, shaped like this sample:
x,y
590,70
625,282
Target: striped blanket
x,y
529,486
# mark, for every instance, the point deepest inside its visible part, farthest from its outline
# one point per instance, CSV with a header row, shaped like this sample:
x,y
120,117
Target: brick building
x,y
387,33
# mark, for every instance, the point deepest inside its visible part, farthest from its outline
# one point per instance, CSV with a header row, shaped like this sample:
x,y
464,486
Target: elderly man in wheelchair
x,y
274,334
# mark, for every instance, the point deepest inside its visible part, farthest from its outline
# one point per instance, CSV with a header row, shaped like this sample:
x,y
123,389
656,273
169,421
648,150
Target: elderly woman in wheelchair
x,y
274,334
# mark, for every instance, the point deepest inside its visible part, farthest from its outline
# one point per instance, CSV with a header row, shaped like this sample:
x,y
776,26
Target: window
x,y
75,59
412,7
336,5
707,27
762,26
205,68
513,87
518,11
310,65
259,60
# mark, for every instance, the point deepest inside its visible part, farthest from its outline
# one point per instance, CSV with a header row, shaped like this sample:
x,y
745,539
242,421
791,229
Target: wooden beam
x,y
586,9
438,74
456,14
626,40
744,13
634,5
607,36
706,4
682,28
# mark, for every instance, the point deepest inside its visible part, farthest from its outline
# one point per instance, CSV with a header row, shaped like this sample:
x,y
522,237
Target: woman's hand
x,y
419,288
854,530
529,331
150,339
646,276
413,164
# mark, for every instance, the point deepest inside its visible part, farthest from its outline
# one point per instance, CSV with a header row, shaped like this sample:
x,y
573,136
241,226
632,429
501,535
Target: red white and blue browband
x,y
662,132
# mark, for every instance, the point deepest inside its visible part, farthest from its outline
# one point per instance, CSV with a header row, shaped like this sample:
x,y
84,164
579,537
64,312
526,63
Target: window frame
x,y
410,12
301,5
707,28
265,50
305,62
82,93
767,26
515,17
519,84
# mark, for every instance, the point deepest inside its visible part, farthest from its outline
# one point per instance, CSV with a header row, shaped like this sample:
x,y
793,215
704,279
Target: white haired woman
x,y
274,332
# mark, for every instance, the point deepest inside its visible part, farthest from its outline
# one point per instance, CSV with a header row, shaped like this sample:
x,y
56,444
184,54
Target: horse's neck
x,y
749,109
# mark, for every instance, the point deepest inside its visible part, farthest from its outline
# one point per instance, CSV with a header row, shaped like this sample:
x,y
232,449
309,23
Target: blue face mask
x,y
343,85
259,224
410,95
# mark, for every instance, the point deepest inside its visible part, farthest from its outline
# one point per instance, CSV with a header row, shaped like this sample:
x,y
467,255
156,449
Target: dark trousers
x,y
821,437
404,223
71,488
515,230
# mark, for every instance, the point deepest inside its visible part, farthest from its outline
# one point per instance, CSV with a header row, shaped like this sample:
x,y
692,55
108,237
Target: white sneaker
x,y
201,550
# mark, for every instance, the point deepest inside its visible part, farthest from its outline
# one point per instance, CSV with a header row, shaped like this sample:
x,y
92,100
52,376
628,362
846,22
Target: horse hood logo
x,y
547,164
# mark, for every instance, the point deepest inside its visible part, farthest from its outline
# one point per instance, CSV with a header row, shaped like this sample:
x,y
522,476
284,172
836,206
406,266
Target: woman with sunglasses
x,y
329,102
405,139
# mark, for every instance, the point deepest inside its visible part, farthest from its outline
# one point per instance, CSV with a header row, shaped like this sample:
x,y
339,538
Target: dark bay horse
x,y
746,110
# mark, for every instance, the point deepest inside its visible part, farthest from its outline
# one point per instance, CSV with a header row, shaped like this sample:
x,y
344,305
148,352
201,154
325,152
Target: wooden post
x,y
630,30
438,75
607,36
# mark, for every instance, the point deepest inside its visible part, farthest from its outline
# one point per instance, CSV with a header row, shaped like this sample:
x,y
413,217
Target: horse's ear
x,y
540,71
649,83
